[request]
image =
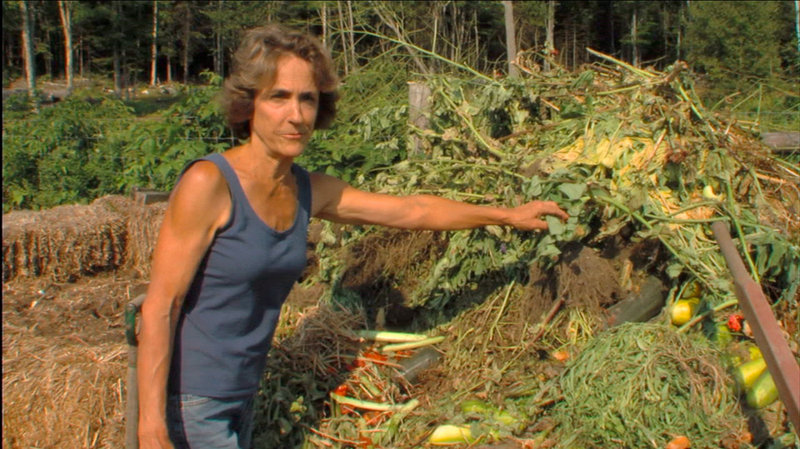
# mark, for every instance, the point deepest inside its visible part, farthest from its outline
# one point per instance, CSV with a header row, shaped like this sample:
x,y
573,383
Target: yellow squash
x,y
763,392
449,434
683,310
747,373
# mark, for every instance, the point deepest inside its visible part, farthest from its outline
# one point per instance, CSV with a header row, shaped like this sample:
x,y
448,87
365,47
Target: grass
x,y
150,104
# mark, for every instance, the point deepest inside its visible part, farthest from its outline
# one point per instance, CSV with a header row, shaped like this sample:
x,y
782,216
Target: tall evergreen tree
x,y
731,41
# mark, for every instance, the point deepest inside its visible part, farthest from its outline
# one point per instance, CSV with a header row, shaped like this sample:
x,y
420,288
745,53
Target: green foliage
x,y
154,152
17,106
596,149
609,390
370,127
734,41
77,150
51,158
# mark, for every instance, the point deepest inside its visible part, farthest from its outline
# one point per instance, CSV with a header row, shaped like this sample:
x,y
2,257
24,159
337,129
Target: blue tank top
x,y
231,310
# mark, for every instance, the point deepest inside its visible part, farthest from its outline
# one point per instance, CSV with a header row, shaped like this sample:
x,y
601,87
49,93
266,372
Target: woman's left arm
x,y
335,200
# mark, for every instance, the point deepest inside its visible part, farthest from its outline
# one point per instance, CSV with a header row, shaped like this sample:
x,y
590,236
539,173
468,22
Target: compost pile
x,y
643,169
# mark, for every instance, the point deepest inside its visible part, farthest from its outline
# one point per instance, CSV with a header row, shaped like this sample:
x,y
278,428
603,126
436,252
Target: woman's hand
x,y
157,439
528,217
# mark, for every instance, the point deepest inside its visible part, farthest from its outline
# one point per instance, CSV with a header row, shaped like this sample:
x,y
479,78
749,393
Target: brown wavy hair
x,y
255,65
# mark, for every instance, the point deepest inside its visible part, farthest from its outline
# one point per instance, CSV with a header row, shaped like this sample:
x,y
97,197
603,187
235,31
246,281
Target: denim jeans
x,y
197,422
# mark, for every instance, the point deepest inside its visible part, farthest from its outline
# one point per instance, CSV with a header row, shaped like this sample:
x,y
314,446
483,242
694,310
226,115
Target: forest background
x,y
122,92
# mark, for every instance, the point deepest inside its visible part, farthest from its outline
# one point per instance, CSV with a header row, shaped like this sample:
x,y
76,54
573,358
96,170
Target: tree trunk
x,y
27,47
436,14
797,23
117,56
117,72
350,34
65,12
477,38
574,45
401,36
169,70
511,44
187,36
47,54
344,39
154,47
218,42
81,56
634,37
458,25
549,42
679,37
456,29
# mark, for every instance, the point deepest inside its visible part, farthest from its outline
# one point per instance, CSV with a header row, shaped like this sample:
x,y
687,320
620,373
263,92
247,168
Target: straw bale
x,y
66,395
66,242
143,226
64,362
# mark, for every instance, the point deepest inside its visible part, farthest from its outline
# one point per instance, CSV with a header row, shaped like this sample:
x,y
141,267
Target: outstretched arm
x,y
335,200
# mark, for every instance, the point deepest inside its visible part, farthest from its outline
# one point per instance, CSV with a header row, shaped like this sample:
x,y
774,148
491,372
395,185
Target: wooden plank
x,y
147,196
419,105
782,141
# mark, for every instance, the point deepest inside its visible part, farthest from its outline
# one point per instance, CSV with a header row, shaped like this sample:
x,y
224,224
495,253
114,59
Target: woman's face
x,y
285,112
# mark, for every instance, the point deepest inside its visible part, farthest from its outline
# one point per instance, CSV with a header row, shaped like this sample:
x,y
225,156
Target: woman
x,y
233,242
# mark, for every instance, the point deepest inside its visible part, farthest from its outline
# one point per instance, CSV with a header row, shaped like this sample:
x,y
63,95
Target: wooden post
x,y
550,38
511,40
132,402
419,95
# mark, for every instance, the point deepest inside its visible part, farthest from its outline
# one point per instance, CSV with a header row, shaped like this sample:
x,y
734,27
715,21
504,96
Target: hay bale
x,y
143,226
64,362
61,396
66,242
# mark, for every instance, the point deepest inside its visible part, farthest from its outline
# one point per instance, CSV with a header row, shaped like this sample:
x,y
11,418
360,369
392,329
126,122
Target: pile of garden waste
x,y
638,162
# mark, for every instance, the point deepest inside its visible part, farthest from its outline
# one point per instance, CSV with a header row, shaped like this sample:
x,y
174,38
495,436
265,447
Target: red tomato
x,y
735,322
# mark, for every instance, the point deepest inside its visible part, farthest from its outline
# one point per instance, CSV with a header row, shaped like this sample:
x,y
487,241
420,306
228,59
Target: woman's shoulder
x,y
202,187
203,172
199,204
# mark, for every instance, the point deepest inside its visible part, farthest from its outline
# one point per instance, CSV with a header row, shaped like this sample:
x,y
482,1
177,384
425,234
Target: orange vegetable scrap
x,y
680,442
